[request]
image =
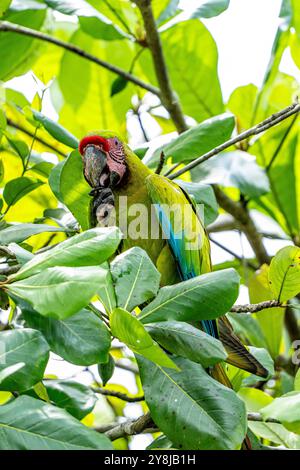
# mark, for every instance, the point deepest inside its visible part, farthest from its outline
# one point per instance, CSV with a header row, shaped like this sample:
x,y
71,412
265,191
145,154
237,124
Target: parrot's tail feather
x,y
238,355
219,374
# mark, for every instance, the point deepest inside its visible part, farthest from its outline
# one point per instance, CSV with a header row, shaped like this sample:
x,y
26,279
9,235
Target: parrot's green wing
x,y
183,230
190,246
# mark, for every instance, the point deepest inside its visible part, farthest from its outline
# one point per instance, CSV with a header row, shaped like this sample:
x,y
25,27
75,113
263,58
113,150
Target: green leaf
x,y
74,196
270,320
210,8
30,424
76,398
82,339
135,278
23,49
130,330
197,140
90,248
91,21
106,370
23,346
8,371
204,297
56,130
17,188
193,410
118,85
3,121
60,292
257,399
184,340
297,381
19,146
284,273
202,194
234,169
242,103
4,5
285,409
19,232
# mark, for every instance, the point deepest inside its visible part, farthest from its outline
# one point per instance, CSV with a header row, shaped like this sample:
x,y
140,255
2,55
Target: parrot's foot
x,y
103,207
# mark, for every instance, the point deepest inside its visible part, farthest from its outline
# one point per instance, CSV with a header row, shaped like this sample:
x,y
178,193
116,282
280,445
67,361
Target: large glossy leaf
x,y
194,411
286,409
284,273
255,400
130,330
4,5
135,278
91,21
17,188
242,103
210,8
270,320
74,195
10,370
203,195
184,340
56,130
201,298
197,140
234,169
93,107
23,346
30,424
188,46
60,292
19,232
82,339
76,398
90,248
23,50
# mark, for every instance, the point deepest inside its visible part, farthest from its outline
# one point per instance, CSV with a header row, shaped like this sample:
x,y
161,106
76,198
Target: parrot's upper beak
x,y
96,170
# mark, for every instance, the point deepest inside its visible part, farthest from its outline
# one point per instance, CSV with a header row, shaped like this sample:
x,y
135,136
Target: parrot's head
x,y
104,159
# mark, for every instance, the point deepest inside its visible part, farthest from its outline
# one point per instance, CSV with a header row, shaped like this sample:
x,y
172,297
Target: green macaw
x,y
114,171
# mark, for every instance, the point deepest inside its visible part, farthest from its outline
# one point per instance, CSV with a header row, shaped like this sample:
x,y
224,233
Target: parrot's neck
x,y
131,198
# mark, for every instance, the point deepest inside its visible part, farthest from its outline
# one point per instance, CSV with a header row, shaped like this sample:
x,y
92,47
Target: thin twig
x,y
235,255
253,308
131,427
255,130
160,163
121,396
245,222
129,367
13,124
258,417
18,29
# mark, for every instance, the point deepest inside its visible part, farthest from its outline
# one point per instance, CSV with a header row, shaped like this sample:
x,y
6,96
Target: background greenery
x,y
54,270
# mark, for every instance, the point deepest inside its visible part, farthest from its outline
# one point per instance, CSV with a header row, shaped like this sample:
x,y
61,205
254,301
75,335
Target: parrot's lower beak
x,y
96,170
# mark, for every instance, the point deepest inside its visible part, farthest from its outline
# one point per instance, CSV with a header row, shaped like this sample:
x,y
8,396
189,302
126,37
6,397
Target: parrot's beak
x,y
96,170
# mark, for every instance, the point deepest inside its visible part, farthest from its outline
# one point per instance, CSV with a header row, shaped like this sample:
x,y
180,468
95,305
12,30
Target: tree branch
x,y
18,29
235,255
258,417
253,308
160,163
129,367
168,97
37,139
131,427
255,130
121,396
245,222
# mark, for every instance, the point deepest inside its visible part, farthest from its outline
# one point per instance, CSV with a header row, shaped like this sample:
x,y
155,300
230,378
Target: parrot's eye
x,y
116,142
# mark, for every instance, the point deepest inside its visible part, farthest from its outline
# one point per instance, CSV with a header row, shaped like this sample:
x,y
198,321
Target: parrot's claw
x,y
102,205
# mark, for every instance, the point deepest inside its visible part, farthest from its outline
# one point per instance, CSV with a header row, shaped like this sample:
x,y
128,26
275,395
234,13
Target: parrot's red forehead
x,y
93,140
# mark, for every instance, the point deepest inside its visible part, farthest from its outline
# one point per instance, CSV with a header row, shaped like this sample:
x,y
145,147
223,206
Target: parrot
x,y
181,248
